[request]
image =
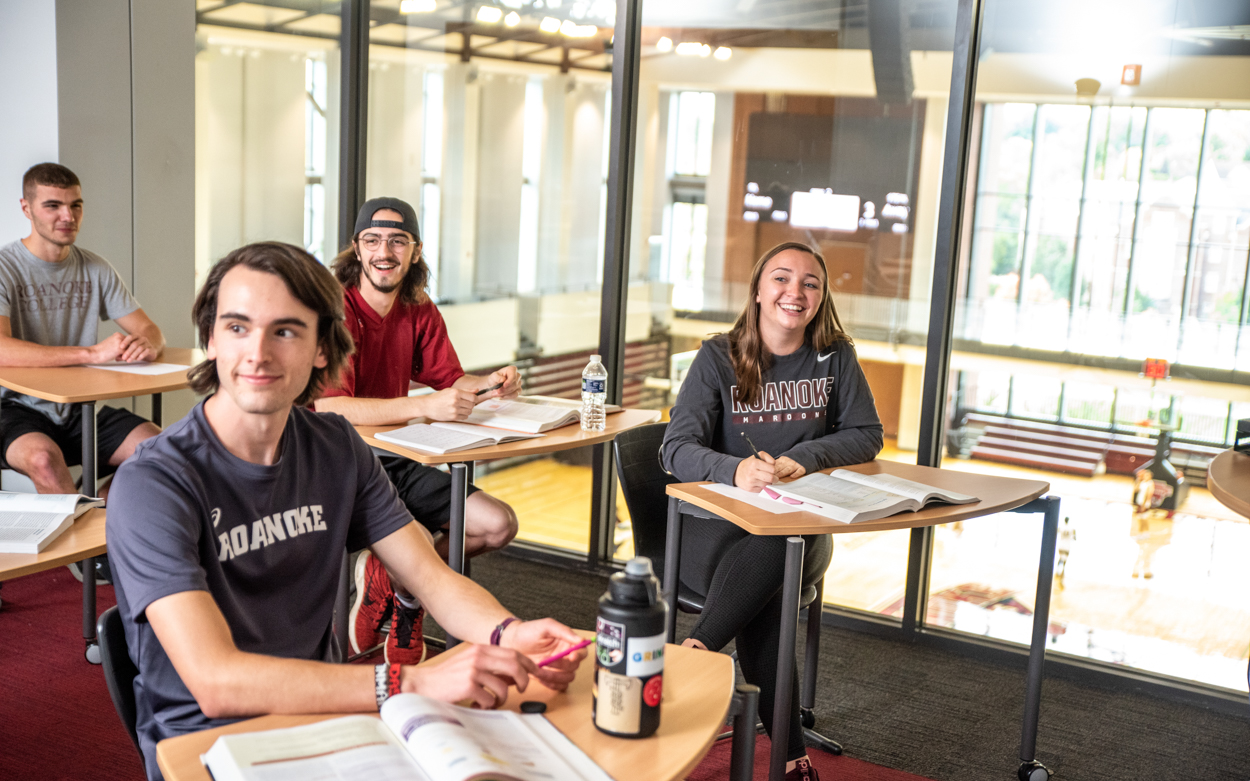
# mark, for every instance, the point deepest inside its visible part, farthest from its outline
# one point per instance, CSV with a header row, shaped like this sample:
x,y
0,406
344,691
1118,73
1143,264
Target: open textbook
x,y
850,497
30,522
449,437
533,414
417,739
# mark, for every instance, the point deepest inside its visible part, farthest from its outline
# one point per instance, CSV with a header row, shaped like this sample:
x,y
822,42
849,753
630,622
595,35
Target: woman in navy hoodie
x,y
786,375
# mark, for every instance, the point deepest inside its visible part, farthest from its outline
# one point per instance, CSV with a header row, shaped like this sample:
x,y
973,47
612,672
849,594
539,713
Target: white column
x,y
460,165
552,240
27,79
501,147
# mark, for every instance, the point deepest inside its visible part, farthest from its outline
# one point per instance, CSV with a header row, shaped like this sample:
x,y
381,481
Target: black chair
x,y
643,480
119,671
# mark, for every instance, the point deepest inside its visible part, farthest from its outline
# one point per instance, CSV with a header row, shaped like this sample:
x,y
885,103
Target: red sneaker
x,y
374,601
406,644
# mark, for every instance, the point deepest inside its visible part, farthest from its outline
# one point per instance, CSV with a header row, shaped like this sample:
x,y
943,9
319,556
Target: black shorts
x,y
112,428
424,490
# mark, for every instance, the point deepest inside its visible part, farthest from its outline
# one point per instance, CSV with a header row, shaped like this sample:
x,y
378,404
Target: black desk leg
x,y
672,561
1030,769
455,529
341,610
785,657
88,565
156,408
746,705
811,657
467,570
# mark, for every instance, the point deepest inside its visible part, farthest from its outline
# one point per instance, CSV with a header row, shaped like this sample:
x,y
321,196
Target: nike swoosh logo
x,y
824,357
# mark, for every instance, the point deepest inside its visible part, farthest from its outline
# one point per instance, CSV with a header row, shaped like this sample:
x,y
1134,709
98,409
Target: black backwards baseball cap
x,y
364,218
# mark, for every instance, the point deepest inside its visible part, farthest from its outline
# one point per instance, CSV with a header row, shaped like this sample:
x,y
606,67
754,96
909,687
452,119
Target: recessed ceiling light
x,y
549,25
665,44
417,6
489,14
512,19
723,53
690,48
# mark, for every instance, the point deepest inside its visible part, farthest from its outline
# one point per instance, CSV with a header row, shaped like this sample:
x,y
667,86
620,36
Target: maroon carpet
x,y
57,721
715,766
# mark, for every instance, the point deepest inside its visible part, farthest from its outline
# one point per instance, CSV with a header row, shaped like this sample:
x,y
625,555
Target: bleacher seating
x,y
1072,449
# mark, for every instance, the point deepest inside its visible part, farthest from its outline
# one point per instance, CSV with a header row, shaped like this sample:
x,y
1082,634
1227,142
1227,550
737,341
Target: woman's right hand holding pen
x,y
756,472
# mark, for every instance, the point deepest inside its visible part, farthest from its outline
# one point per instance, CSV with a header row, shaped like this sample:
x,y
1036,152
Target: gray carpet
x,y
942,715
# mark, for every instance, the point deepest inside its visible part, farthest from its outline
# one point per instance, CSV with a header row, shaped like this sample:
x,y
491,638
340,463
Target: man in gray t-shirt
x,y
227,531
53,296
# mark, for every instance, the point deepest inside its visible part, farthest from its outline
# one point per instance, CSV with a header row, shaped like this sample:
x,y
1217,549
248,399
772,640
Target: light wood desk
x,y
563,438
997,494
698,688
86,386
1228,478
82,541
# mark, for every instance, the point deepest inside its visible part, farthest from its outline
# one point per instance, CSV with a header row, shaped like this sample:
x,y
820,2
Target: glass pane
x,y
1056,311
502,151
266,128
758,128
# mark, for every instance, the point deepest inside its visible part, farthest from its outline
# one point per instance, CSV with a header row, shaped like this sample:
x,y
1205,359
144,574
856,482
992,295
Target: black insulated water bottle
x,y
629,653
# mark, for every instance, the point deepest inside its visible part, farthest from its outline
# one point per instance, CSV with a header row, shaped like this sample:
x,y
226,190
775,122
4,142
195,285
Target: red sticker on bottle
x,y
651,692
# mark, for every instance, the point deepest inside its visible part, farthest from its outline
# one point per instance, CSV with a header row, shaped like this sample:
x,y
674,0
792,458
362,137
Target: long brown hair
x,y
746,348
310,284
412,289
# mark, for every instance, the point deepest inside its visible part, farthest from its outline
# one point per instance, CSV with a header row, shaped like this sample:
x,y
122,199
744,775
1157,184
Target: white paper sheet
x,y
138,368
755,500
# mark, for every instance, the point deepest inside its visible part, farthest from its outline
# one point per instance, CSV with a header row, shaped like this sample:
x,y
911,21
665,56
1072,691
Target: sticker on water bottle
x,y
644,655
591,385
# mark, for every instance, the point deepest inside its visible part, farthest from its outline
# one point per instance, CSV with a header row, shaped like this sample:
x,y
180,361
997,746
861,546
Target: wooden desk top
x,y
78,384
1228,478
997,494
563,438
698,688
85,537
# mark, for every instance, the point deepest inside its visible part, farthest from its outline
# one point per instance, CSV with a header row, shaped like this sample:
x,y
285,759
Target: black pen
x,y
488,390
752,444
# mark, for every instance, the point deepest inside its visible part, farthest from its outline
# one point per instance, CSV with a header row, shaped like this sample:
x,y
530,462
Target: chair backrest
x,y
643,481
119,670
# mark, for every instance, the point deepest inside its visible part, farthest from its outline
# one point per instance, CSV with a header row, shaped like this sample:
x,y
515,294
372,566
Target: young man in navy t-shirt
x,y
227,531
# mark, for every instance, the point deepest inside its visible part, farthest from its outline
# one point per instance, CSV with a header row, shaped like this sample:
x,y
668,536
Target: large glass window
x,y
757,128
503,153
266,127
1109,225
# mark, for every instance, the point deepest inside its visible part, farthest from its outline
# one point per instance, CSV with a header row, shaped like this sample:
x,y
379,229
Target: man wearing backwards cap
x,y
401,336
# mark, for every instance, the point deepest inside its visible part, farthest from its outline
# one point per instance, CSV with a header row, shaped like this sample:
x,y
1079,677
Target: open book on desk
x,y
850,497
444,438
417,738
533,414
30,522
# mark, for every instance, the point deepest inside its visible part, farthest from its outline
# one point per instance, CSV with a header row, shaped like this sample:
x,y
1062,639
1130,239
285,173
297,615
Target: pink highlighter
x,y
771,494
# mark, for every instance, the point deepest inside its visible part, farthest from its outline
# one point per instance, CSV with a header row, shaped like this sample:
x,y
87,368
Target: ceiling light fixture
x,y
665,44
549,25
417,6
723,53
512,19
489,14
690,48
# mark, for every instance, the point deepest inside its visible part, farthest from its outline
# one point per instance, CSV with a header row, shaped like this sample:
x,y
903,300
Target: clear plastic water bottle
x,y
594,394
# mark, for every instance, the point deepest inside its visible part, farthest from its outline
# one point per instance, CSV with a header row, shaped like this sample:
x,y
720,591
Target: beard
x,y
378,286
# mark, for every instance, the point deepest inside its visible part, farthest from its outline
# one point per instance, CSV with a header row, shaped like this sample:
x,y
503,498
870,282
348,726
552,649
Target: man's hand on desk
x,y
788,469
447,404
123,347
509,380
482,674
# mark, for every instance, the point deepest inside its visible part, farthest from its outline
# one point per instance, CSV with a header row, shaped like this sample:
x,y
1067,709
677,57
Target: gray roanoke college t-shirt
x,y
816,408
266,542
58,304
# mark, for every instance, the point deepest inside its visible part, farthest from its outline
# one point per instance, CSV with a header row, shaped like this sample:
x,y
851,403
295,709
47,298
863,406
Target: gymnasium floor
x,y
1168,596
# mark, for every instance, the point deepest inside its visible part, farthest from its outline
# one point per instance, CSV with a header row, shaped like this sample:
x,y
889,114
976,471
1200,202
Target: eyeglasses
x,y
396,243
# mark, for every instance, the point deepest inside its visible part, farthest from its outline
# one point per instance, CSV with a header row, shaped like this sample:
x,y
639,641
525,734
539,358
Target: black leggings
x,y
742,574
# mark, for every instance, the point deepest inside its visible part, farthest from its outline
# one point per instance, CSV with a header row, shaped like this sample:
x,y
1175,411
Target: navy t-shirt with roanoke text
x,y
266,542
